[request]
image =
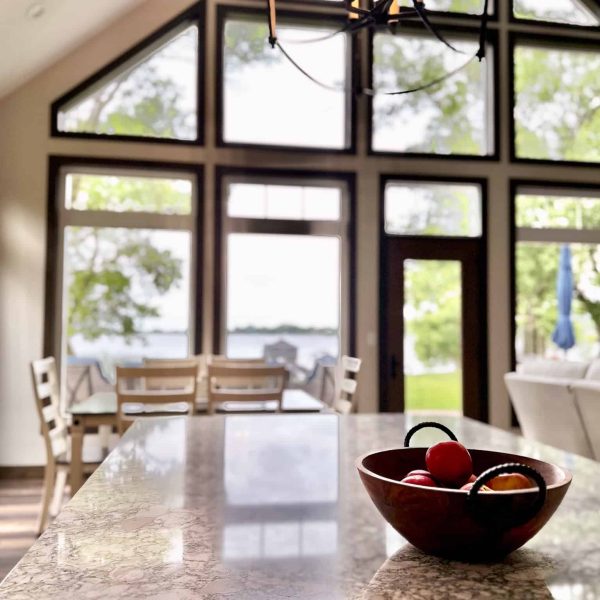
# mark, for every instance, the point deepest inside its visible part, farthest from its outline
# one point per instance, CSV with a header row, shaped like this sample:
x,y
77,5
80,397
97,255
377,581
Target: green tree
x,y
433,295
115,273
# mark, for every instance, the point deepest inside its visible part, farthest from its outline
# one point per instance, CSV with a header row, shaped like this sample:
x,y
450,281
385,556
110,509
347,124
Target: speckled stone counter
x,y
267,507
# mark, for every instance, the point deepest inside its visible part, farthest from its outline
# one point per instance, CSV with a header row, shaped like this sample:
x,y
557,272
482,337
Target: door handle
x,y
393,366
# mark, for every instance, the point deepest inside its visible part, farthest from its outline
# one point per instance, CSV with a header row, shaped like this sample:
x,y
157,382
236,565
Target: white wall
x,y
24,148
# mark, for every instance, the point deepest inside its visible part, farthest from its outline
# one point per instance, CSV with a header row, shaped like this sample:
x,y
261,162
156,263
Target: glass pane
x,y
556,111
472,7
303,203
571,12
433,335
550,211
268,101
156,97
537,266
126,297
446,209
448,118
124,193
283,300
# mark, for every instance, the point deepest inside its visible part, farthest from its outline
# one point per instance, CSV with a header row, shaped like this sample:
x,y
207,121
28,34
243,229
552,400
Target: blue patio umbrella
x,y
563,335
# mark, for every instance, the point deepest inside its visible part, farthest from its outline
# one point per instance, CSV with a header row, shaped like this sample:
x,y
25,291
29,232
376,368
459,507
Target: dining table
x,y
263,507
100,409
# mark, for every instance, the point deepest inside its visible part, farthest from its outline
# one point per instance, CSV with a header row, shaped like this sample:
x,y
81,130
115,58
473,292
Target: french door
x,y
433,325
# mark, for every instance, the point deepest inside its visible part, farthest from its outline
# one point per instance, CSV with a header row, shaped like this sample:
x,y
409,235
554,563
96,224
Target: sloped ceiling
x,y
29,44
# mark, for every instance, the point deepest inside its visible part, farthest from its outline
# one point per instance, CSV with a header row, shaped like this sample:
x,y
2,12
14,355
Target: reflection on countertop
x,y
270,506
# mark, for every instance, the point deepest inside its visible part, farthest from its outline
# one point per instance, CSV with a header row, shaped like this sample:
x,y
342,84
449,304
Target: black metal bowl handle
x,y
506,518
420,426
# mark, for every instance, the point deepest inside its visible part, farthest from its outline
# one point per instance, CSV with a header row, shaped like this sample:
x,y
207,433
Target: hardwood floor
x,y
19,506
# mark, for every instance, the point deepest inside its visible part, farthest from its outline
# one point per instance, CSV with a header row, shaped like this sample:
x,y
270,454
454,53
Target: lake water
x,y
110,350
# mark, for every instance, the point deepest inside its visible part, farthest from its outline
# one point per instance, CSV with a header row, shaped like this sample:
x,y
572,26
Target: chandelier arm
x,y
371,92
345,29
420,8
483,31
307,74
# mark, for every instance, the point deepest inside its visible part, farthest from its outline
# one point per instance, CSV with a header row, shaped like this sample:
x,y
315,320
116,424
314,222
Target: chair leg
x,y
59,491
49,477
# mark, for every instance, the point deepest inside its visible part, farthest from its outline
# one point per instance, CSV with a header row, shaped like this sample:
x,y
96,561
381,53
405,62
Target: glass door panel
x,y
433,335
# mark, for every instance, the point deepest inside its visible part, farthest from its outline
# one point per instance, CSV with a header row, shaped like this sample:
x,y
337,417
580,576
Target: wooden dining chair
x,y
56,439
176,396
247,383
344,402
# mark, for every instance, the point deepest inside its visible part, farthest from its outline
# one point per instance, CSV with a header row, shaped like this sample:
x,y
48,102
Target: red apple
x,y
419,480
449,463
420,472
510,481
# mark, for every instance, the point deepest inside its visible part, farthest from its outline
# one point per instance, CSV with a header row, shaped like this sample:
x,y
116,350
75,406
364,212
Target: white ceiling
x,y
29,45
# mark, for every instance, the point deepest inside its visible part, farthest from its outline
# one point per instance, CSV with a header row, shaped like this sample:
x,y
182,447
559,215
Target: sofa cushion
x,y
593,371
557,369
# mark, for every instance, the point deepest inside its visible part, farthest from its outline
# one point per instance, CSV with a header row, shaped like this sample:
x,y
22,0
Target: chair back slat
x,y
245,383
347,384
47,400
198,361
169,394
351,364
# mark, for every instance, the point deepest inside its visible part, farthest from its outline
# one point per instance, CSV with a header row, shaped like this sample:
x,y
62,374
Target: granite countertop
x,y
270,506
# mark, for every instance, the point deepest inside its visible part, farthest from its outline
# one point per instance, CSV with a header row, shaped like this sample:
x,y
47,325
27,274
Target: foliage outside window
x,y
431,209
472,7
155,96
450,117
570,12
557,114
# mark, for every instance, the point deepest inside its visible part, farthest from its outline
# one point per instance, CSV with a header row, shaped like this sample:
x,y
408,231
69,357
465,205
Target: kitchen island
x,y
271,506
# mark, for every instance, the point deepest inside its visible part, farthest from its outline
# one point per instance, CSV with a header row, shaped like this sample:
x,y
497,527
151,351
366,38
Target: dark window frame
x,y
195,14
56,163
223,11
492,40
346,178
483,240
556,42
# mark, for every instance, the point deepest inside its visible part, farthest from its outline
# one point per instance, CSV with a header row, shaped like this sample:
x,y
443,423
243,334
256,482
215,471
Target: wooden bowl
x,y
457,524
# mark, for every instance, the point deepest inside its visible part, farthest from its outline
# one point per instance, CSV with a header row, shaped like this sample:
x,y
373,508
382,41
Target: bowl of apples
x,y
459,503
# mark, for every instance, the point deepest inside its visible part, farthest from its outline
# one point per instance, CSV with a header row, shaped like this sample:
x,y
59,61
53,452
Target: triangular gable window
x,y
151,92
569,12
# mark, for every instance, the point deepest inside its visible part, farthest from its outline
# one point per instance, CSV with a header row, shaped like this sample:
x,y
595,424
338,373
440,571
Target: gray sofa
x,y
558,403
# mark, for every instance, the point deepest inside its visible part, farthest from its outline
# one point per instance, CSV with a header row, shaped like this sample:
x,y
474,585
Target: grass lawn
x,y
435,391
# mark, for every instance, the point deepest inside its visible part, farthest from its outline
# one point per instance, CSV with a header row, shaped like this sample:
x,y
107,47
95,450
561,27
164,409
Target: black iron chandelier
x,y
389,14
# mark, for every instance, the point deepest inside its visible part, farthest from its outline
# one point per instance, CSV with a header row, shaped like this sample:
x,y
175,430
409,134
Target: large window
x,y
285,259
452,117
152,92
126,237
266,101
558,229
556,113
